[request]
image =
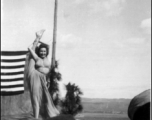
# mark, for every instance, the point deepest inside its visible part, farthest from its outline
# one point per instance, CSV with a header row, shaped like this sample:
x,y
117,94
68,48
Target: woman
x,y
38,73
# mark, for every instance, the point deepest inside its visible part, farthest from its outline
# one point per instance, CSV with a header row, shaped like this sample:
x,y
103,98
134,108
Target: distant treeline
x,y
109,106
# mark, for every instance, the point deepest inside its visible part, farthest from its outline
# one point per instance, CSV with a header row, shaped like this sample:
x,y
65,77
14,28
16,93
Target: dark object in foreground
x,y
139,108
72,103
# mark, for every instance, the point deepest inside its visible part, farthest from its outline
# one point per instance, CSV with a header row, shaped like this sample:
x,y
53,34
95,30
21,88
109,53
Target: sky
x,y
103,46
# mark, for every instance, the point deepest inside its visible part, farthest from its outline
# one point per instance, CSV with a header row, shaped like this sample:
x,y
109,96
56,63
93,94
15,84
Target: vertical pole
x,y
54,35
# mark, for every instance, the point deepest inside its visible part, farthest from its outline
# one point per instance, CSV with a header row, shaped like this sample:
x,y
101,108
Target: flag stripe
x,y
13,57
13,89
12,83
12,86
12,67
13,53
13,73
11,76
13,60
11,93
12,64
12,70
9,80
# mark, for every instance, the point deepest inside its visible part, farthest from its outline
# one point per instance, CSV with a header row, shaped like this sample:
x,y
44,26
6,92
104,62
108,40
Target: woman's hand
x,y
39,34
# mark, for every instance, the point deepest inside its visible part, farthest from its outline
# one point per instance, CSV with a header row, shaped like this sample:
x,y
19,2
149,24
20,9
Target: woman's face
x,y
42,53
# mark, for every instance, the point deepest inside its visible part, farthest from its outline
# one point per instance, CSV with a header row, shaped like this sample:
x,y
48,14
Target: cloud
x,y
146,25
69,41
135,41
79,1
109,7
130,42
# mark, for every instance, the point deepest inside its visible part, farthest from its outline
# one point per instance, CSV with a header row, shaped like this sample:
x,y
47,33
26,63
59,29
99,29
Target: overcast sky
x,y
103,46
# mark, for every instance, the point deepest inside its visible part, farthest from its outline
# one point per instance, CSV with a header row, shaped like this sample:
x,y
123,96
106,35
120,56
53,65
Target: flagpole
x,y
54,35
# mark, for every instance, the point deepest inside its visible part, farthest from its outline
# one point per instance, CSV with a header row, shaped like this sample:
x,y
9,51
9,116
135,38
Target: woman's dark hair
x,y
42,46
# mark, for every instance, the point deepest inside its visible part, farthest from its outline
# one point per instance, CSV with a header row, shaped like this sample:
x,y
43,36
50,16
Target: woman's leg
x,y
36,107
36,94
33,84
31,66
35,43
38,37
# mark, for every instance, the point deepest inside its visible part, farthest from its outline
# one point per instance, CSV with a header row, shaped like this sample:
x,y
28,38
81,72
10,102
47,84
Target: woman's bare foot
x,y
38,37
39,34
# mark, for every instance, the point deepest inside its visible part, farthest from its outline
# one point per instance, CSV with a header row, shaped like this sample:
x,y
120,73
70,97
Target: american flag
x,y
12,72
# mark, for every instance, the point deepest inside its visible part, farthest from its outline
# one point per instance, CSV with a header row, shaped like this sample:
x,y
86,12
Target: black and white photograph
x,y
76,59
